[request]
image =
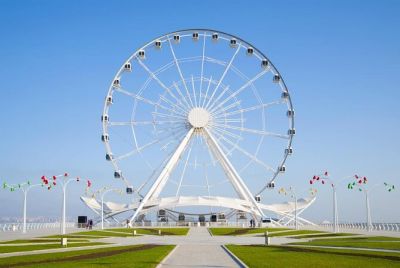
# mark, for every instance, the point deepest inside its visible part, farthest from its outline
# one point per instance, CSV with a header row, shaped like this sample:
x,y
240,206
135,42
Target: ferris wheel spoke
x,y
194,93
252,108
223,76
207,90
229,120
255,131
179,68
155,77
138,123
222,131
137,150
135,96
202,68
226,108
168,115
183,171
249,155
172,104
182,96
248,83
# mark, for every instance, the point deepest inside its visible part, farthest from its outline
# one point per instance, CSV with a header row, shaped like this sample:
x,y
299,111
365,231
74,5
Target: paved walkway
x,y
4,236
199,255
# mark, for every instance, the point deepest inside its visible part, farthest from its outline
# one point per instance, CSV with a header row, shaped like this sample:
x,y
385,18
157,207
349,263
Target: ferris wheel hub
x,y
199,117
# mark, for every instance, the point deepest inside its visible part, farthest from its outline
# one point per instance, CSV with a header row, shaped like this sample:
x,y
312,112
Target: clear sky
x,y
340,59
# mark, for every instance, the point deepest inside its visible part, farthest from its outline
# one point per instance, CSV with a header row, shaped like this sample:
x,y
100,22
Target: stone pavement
x,y
4,236
198,255
197,249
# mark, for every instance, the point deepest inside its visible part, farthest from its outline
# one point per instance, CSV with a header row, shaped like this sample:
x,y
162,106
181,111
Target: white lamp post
x,y
292,193
104,191
24,187
64,182
360,183
325,177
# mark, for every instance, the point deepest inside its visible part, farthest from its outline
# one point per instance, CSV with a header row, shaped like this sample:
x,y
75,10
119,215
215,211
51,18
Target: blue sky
x,y
340,59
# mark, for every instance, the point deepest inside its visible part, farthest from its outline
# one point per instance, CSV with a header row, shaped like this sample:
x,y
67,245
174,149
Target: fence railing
x,y
14,227
387,227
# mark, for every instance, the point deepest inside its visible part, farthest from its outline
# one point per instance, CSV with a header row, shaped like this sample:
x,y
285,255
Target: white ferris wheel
x,y
198,118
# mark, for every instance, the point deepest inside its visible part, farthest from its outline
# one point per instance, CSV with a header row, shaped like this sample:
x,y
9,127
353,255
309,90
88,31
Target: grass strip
x,y
126,256
281,256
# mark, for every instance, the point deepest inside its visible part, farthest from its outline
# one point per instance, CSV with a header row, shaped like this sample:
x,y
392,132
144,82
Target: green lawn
x,y
325,235
153,231
243,231
296,232
52,240
138,256
16,248
73,236
274,256
377,242
105,233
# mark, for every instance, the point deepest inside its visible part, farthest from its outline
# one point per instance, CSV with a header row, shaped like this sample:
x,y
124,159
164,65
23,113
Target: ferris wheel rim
x,y
272,66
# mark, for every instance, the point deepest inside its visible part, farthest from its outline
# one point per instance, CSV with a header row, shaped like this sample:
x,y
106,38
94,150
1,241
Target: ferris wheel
x,y
198,112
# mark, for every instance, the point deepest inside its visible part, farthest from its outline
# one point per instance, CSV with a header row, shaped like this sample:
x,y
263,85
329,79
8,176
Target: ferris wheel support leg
x,y
159,184
233,175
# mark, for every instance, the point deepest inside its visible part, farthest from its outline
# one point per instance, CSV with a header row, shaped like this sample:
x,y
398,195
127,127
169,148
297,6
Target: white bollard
x,y
64,241
267,239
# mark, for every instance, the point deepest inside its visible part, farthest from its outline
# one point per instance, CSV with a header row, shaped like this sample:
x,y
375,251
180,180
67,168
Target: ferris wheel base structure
x,y
285,211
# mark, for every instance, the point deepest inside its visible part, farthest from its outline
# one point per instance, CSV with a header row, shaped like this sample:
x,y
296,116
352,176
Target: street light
x,y
325,177
64,182
103,193
360,184
24,187
292,193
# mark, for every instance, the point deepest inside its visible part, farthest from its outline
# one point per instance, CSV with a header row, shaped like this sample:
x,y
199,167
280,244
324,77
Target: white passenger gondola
x,y
233,42
104,118
109,100
116,83
128,67
264,63
276,78
117,174
105,138
141,54
282,169
177,38
214,37
289,151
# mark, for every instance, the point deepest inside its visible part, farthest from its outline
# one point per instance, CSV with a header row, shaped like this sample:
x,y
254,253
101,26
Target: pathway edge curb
x,y
167,257
234,257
